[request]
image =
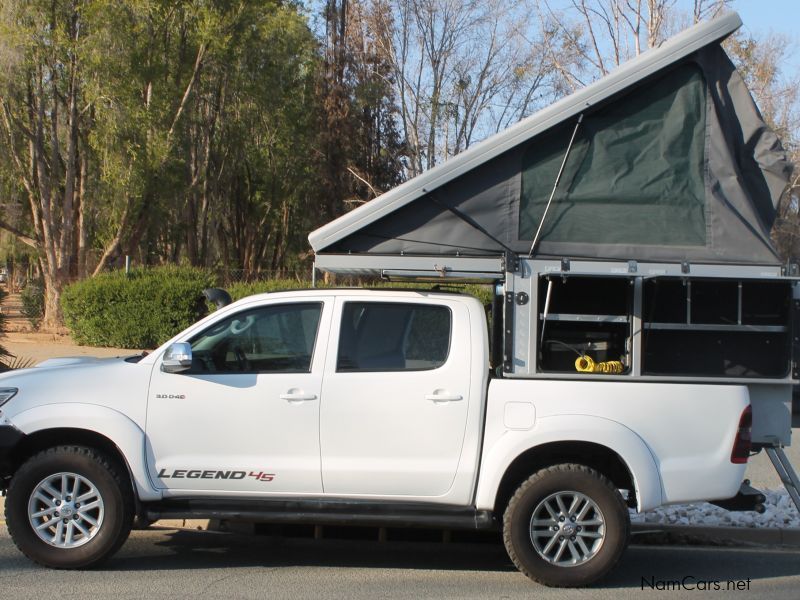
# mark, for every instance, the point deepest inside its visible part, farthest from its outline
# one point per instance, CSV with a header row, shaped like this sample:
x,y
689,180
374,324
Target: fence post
x,y
127,264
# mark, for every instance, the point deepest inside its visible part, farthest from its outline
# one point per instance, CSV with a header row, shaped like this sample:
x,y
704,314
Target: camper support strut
x,y
786,472
555,185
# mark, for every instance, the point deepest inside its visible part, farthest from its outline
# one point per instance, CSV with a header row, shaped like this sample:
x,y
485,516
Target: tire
x,y
82,534
582,550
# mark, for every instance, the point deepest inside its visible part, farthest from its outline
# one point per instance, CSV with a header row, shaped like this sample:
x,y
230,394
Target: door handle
x,y
443,397
298,397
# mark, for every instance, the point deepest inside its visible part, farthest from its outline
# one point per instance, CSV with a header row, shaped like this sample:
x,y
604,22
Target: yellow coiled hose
x,y
585,364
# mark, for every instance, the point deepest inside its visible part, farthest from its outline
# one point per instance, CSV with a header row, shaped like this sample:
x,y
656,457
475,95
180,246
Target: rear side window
x,y
383,336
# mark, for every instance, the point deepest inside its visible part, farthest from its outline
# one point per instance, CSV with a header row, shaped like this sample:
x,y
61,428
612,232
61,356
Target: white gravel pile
x,y
780,513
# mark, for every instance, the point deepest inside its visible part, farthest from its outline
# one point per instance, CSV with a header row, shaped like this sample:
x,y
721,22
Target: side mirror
x,y
177,358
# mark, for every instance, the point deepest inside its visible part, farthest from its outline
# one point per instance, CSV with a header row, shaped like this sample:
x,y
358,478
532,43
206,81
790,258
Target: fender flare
x,y
631,448
128,437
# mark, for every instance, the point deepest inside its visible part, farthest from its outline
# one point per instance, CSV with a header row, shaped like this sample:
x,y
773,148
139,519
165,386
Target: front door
x,y
245,417
396,397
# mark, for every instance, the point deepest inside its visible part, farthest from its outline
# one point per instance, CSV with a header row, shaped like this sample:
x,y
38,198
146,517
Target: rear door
x,y
395,396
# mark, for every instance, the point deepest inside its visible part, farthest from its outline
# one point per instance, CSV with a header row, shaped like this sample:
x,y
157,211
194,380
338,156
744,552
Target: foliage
x,y
12,363
168,131
241,290
8,361
149,306
244,289
140,310
32,297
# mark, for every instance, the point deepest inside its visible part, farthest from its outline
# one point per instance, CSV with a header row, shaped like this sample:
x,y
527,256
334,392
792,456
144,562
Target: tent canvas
x,y
672,161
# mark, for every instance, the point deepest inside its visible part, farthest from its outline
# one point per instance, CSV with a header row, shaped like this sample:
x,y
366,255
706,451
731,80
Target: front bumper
x,y
10,436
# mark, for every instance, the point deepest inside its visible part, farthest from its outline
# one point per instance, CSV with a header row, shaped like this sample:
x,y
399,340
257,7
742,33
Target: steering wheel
x,y
241,359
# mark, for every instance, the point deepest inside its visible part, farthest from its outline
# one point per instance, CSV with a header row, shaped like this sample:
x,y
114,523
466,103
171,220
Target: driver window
x,y
268,339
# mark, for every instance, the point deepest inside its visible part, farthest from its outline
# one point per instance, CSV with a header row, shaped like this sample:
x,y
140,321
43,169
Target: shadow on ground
x,y
204,550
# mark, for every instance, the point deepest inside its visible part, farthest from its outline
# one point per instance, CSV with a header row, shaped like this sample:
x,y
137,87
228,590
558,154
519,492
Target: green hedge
x,y
240,290
147,307
140,310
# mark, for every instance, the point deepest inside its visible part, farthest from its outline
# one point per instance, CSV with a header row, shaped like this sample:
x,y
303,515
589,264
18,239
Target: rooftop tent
x,y
672,161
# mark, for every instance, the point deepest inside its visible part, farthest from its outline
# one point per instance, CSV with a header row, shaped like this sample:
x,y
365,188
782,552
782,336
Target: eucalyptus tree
x,y
157,129
45,123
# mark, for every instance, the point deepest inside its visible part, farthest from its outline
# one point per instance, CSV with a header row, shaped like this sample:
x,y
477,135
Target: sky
x,y
778,16
769,15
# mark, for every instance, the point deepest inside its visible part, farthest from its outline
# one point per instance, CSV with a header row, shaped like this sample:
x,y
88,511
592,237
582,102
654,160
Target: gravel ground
x,y
780,512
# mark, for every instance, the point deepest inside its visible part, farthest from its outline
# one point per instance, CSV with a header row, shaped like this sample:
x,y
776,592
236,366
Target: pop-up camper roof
x,y
671,162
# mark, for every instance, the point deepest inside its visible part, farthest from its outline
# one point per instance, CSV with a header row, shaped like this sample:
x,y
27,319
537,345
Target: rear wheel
x,y
69,507
566,526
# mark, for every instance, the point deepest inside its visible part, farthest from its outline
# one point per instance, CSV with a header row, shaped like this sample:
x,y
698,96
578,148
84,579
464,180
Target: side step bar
x,y
785,471
324,513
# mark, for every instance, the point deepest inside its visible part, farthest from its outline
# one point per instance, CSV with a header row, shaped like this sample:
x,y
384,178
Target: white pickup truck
x,y
374,407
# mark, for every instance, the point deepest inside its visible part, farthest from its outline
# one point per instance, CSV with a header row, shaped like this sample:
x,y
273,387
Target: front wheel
x,y
566,526
69,507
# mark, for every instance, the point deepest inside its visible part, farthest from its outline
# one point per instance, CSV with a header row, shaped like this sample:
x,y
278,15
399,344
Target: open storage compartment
x,y
583,315
716,327
665,326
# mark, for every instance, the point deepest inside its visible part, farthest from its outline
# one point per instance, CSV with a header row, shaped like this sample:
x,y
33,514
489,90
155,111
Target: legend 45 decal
x,y
214,474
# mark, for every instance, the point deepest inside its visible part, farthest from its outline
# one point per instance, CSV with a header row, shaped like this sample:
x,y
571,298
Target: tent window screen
x,y
635,172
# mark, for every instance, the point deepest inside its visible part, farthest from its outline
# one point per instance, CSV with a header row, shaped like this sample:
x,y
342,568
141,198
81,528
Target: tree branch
x,y
19,234
198,63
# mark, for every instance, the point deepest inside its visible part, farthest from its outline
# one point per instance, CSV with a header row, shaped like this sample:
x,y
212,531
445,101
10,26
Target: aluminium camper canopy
x,y
671,162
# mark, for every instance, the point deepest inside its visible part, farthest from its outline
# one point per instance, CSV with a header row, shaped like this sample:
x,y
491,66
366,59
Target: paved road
x,y
188,564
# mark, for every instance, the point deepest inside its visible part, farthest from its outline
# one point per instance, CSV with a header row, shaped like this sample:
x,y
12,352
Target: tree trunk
x,y
53,318
83,230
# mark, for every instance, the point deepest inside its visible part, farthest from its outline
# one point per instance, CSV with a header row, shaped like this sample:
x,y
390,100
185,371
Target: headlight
x,y
7,394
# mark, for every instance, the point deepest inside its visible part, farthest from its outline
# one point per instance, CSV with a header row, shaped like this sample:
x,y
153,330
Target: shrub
x,y
142,309
480,291
32,296
243,289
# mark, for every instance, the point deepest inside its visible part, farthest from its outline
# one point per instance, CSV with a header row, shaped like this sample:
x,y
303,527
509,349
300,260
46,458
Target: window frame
x,y
393,302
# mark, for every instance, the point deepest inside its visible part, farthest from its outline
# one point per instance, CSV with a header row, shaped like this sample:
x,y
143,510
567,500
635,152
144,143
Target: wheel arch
x,y
91,425
597,442
591,454
43,439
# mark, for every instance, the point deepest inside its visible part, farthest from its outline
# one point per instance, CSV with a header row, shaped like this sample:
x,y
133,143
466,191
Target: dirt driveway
x,y
24,343
41,346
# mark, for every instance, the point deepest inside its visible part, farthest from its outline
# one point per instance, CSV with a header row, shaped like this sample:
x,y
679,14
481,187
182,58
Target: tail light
x,y
743,442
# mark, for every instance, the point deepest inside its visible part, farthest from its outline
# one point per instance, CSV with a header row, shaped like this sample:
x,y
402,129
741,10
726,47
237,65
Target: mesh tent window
x,y
635,174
